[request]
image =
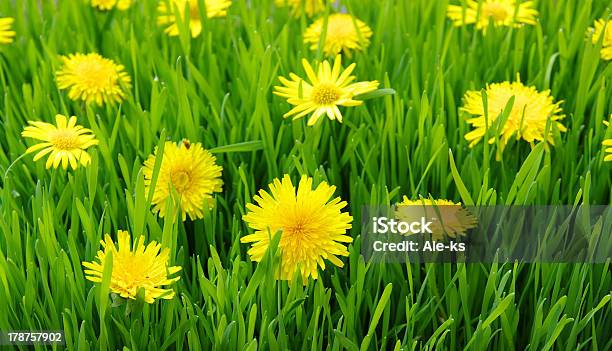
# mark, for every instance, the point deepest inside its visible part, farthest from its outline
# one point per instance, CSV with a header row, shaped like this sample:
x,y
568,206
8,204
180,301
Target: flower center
x,y
325,94
95,75
64,140
495,10
180,180
106,4
520,110
297,230
341,29
194,11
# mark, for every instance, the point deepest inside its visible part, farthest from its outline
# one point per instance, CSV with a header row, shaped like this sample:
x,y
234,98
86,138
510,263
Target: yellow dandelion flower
x,y
143,267
509,13
450,219
187,171
93,78
299,7
607,150
6,32
597,31
324,92
527,119
313,226
167,15
66,142
344,34
107,5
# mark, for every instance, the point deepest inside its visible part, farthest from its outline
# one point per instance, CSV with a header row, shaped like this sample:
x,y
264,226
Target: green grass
x,y
216,89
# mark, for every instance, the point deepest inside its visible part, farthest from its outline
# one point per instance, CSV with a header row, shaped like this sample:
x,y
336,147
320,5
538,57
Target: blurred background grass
x,y
216,89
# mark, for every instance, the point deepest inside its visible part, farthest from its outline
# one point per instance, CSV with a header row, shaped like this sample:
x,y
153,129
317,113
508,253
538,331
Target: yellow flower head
x,y
134,269
344,33
323,92
298,7
607,150
313,227
93,78
450,219
527,119
509,13
66,142
597,31
6,32
187,171
107,5
168,16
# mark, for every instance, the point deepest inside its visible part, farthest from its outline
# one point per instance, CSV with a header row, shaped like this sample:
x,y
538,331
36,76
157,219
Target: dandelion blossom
x,y
107,5
527,119
299,7
597,33
344,33
93,78
143,267
509,13
313,226
188,171
6,32
607,150
451,219
167,15
324,92
66,142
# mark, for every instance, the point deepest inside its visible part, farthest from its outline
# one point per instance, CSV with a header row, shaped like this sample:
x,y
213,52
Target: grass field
x,y
217,89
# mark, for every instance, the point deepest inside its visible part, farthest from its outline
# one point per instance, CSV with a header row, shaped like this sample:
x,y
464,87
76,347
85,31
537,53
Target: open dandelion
x,y
143,267
6,32
509,13
603,28
607,149
323,92
313,226
187,171
344,33
299,7
107,5
93,79
450,219
65,143
527,120
168,15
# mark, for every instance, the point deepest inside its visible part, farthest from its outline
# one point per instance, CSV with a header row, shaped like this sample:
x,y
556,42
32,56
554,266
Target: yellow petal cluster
x,y
141,267
312,223
65,142
323,92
